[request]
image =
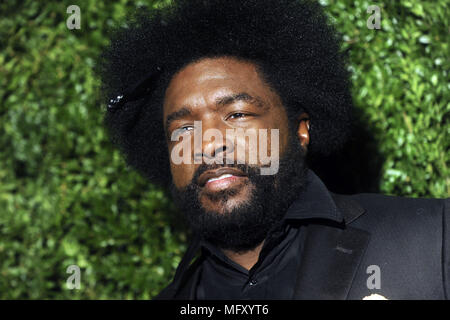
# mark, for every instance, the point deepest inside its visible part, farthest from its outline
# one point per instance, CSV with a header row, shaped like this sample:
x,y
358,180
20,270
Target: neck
x,y
245,259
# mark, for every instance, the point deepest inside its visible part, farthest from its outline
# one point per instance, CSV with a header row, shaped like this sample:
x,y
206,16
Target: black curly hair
x,y
290,41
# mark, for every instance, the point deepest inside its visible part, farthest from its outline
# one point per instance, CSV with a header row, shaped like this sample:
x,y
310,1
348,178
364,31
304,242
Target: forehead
x,y
203,82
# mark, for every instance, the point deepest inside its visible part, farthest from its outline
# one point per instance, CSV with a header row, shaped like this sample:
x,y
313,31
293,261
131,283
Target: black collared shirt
x,y
274,274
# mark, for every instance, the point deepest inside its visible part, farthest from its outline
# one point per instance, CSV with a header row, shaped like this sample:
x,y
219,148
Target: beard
x,y
247,224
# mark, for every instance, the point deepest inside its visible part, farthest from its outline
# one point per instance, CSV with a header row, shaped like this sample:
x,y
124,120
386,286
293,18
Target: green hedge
x,y
66,196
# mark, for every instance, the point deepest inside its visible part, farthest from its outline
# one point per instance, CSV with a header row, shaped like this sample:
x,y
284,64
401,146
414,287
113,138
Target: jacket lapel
x,y
331,256
186,276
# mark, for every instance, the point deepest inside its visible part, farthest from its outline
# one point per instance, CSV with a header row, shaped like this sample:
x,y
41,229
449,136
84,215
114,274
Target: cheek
x,y
182,169
281,123
266,138
181,174
181,162
276,141
260,141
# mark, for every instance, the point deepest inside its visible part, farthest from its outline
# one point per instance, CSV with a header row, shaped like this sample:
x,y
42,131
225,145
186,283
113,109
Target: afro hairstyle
x,y
295,49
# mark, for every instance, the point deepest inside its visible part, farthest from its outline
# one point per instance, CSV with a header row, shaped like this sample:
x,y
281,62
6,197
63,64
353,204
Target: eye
x,y
236,115
179,131
186,128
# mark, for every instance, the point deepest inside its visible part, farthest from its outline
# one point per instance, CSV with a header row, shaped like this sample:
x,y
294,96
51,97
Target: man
x,y
273,71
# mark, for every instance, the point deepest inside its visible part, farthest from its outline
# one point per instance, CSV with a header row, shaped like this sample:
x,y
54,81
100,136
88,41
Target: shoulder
x,y
408,238
166,294
385,202
400,212
184,283
407,222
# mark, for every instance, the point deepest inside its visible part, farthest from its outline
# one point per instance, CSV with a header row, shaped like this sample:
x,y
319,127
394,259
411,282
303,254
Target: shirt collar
x,y
314,202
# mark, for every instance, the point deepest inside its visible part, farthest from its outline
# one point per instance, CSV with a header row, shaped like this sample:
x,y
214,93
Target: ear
x,y
303,130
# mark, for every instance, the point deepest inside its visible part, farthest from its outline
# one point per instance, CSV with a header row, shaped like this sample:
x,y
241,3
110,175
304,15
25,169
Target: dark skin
x,y
224,93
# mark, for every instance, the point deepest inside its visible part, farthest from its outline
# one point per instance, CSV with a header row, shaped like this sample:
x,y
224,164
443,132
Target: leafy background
x,y
66,195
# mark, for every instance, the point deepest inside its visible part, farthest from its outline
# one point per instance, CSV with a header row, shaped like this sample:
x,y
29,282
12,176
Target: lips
x,y
224,176
219,175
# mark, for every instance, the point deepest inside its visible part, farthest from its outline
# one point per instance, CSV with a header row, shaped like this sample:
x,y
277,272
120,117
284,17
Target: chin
x,y
226,202
224,207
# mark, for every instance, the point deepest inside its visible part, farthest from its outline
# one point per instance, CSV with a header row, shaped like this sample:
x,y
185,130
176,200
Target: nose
x,y
218,150
216,147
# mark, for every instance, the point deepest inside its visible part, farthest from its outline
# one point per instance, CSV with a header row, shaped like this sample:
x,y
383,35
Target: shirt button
x,y
253,282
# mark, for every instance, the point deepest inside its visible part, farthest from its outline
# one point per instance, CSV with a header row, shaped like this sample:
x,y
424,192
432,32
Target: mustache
x,y
250,171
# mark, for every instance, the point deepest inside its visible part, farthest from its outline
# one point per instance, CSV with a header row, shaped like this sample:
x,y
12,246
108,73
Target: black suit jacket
x,y
406,239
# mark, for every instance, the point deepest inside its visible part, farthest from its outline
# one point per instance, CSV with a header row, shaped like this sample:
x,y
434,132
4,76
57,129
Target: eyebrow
x,y
220,102
185,111
242,96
